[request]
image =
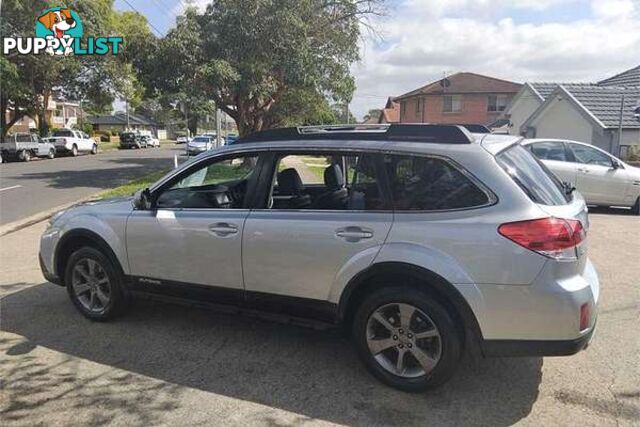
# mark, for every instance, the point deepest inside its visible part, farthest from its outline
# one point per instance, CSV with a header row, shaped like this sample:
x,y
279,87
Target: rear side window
x,y
63,133
532,176
430,184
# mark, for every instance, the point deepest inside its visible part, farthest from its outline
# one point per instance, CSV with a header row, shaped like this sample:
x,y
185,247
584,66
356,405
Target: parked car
x,y
72,142
24,146
132,140
150,141
420,239
183,140
601,178
200,144
231,139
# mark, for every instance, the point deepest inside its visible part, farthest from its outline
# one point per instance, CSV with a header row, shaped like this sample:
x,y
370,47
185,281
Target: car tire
x,y
99,296
94,149
74,150
440,353
25,155
52,154
635,210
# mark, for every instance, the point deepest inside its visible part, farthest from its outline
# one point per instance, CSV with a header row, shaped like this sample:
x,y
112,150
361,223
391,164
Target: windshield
x,y
63,133
201,139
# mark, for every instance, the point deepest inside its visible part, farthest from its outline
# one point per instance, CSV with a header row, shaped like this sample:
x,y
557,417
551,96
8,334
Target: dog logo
x,y
62,24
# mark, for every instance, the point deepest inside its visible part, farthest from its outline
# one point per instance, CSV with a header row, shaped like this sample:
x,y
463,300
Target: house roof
x,y
626,78
544,89
120,119
601,104
390,113
464,83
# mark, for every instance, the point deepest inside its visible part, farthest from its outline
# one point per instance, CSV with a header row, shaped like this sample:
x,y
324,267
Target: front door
x,y
597,180
323,214
193,234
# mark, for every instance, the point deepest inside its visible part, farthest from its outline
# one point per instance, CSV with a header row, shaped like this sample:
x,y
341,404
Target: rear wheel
x,y
25,155
94,284
94,149
74,150
635,210
52,154
406,339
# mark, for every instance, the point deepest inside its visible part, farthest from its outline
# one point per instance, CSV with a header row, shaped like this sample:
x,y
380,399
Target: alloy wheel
x,y
403,340
91,285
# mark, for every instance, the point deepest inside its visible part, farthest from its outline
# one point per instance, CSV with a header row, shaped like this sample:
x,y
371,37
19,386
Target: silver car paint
x,y
514,293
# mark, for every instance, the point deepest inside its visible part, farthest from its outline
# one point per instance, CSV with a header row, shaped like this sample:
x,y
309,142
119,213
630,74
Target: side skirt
x,y
283,309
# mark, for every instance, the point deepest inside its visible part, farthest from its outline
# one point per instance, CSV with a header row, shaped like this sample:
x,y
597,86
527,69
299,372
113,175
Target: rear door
x,y
598,181
312,224
555,156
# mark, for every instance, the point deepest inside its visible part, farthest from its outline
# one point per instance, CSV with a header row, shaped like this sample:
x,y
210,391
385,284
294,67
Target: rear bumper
x,y
532,348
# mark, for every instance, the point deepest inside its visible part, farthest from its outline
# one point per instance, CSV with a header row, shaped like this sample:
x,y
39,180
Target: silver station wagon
x,y
421,240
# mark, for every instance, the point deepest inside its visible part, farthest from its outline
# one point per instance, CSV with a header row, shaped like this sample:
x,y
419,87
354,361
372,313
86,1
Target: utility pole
x,y
619,128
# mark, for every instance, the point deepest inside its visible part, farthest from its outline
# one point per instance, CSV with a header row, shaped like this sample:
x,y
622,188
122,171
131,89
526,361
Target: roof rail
x,y
436,134
475,128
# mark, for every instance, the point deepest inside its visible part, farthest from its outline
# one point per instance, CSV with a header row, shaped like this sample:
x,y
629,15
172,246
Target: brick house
x,y
463,98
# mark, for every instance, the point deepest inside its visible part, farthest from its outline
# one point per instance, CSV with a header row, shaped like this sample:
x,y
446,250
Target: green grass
x,y
133,186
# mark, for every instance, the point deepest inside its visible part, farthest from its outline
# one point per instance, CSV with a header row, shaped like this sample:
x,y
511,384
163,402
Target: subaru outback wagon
x,y
421,239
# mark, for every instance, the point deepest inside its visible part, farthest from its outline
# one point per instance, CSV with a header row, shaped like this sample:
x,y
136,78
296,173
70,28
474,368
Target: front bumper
x,y
50,276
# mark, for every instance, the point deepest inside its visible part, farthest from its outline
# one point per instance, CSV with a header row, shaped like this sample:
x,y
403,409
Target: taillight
x,y
552,237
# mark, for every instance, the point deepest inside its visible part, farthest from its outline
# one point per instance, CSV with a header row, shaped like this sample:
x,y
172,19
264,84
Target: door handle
x,y
583,170
223,229
354,234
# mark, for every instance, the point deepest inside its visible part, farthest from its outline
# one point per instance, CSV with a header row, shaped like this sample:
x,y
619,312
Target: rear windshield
x,y
532,176
63,132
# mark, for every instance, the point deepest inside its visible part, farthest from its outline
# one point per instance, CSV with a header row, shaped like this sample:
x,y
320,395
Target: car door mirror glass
x,y
142,200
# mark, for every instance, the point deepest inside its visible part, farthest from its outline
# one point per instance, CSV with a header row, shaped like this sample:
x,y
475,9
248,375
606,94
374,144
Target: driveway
x,y
29,188
170,364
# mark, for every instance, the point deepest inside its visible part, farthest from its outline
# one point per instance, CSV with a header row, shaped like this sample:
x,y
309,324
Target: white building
x,y
603,114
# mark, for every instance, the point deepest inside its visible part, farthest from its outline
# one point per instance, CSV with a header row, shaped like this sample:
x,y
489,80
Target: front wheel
x,y
406,339
52,154
74,151
94,149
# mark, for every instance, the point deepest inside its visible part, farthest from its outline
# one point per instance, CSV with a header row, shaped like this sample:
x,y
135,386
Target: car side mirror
x,y
615,164
142,200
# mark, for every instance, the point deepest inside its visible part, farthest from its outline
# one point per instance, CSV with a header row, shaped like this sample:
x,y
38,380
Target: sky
x,y
418,41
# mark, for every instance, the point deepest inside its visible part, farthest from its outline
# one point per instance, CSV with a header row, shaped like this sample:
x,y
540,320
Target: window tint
x,y
549,150
327,181
63,133
222,184
429,184
23,137
532,176
590,156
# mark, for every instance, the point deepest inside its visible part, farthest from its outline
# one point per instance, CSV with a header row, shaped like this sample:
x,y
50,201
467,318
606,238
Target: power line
x,y
148,20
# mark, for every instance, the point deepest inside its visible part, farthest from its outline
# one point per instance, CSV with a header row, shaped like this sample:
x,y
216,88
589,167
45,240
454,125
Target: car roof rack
x,y
475,128
428,133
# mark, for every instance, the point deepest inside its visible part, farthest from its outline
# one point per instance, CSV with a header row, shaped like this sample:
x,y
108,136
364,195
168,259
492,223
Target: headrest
x,y
289,182
333,177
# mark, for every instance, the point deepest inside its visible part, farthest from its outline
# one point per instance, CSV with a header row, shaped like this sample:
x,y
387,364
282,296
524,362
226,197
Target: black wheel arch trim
x,y
83,233
431,279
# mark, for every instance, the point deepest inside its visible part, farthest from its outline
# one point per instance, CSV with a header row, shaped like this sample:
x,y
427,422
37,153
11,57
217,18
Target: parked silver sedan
x,y
601,178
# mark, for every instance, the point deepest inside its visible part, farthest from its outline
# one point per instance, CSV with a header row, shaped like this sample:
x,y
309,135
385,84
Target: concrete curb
x,y
41,216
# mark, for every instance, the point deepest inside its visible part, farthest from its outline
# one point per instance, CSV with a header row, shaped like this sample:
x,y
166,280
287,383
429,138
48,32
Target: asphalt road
x,y
165,364
29,188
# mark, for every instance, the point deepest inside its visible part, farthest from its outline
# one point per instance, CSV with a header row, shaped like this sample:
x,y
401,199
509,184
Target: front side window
x,y
222,184
430,184
326,181
549,150
590,156
532,176
452,104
